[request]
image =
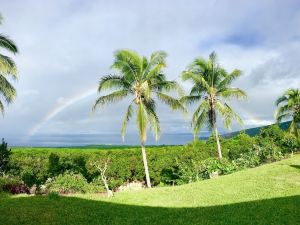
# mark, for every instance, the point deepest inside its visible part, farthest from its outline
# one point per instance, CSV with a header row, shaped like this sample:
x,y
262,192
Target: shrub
x,y
31,167
67,183
248,160
4,157
238,145
272,134
289,143
13,185
269,152
222,166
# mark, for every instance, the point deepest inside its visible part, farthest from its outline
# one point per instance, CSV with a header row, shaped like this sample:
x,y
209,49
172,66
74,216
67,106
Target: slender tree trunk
x,y
108,191
145,165
218,142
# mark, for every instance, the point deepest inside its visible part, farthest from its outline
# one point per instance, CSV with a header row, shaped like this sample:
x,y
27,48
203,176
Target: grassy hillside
x,y
269,194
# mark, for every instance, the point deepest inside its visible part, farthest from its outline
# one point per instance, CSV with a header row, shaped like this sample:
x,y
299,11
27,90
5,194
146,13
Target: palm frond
x,y
203,107
283,112
232,93
142,121
8,44
158,57
8,66
281,99
196,79
229,78
170,86
173,103
190,99
112,81
228,114
199,122
127,117
129,63
7,90
153,118
2,108
110,98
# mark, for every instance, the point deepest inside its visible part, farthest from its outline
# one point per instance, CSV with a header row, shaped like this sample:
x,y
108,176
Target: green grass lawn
x,y
269,194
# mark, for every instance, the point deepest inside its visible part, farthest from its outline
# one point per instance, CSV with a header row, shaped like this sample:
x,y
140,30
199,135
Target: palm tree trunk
x,y
218,142
145,165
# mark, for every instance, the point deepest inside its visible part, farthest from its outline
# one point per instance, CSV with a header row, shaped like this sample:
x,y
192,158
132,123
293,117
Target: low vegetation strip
x,y
168,165
269,194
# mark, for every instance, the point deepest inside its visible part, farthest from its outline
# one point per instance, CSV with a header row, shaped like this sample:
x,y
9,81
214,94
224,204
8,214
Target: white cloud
x,y
66,46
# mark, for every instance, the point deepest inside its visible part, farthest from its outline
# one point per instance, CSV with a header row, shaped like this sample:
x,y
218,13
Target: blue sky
x,y
66,46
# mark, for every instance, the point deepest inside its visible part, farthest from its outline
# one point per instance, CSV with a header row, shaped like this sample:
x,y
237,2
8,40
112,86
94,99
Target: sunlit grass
x,y
269,194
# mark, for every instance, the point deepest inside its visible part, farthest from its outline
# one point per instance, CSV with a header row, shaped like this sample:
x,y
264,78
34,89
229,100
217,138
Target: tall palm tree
x,y
7,69
140,78
211,87
289,108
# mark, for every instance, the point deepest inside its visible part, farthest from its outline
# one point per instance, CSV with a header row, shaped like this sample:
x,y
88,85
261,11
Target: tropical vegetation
x,y
51,168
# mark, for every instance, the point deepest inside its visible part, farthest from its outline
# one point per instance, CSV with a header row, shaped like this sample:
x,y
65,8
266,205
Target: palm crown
x,y
7,69
211,83
289,107
140,78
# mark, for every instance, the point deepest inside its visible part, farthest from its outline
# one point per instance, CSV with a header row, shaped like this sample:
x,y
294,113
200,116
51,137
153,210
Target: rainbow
x,y
249,119
60,107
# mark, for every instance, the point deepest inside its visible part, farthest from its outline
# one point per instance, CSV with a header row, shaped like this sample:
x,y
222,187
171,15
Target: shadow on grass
x,y
70,210
296,166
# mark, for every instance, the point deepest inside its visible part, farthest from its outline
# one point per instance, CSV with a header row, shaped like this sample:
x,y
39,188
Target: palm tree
x,y
7,69
211,87
140,78
289,108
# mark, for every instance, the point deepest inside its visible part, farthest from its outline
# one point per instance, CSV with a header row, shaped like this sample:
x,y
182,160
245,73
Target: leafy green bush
x,y
273,133
67,183
269,152
72,183
238,145
31,167
289,143
221,166
247,160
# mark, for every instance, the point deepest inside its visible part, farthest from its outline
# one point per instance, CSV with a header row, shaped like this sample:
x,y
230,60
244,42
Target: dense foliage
x,y
169,165
71,183
4,157
13,185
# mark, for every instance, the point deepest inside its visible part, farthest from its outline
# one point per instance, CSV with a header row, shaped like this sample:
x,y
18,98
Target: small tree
x,y
102,168
4,157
